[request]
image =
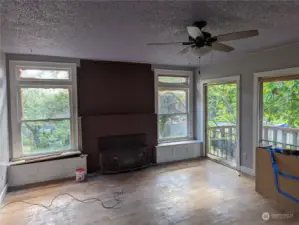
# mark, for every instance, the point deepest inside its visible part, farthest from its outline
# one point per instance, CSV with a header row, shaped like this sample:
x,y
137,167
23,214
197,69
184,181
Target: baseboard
x,y
3,193
247,170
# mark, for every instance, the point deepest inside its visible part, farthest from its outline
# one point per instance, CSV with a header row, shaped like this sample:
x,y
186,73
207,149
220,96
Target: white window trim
x,y
15,82
189,86
256,102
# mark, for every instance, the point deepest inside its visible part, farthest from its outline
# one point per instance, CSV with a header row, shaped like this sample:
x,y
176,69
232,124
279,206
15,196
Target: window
x,y
174,108
43,108
279,102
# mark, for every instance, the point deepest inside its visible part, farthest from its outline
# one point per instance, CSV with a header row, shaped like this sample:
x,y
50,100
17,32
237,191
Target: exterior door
x,y
221,121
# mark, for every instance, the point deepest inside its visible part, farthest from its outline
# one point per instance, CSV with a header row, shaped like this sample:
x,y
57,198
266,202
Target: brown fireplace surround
x,y
115,98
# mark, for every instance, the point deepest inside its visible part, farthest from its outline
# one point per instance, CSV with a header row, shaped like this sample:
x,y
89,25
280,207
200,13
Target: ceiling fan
x,y
201,42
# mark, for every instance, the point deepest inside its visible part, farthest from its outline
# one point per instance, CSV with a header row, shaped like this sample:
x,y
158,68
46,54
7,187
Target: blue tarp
x,y
277,172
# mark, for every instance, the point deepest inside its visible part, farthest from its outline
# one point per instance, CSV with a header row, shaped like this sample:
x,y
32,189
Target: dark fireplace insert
x,y
123,152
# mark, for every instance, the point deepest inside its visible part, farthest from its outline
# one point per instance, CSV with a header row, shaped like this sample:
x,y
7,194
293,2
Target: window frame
x,y
188,87
280,73
16,83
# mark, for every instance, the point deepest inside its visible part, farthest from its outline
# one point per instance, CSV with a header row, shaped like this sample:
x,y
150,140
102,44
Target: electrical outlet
x,y
245,156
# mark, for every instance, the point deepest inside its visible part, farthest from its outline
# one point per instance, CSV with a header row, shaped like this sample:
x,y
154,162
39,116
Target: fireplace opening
x,y
123,152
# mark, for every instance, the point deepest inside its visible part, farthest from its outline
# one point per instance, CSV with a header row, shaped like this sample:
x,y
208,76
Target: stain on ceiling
x,y
120,30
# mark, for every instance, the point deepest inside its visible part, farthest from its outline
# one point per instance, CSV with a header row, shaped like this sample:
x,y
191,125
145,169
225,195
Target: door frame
x,y
203,125
257,104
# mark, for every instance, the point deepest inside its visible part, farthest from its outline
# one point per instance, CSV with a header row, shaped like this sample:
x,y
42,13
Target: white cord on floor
x,y
88,200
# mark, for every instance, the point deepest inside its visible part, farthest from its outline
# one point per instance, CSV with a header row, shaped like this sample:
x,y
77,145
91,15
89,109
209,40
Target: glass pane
x,y
172,126
173,80
221,121
172,101
280,114
44,74
46,136
45,103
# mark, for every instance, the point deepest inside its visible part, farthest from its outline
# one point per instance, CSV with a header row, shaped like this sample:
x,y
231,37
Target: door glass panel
x,y
221,121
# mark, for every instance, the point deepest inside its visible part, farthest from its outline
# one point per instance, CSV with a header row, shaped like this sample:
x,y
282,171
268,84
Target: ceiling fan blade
x,y
221,47
184,50
194,32
237,35
201,51
167,43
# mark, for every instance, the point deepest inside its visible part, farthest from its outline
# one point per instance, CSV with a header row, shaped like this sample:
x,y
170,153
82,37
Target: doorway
x,y
221,120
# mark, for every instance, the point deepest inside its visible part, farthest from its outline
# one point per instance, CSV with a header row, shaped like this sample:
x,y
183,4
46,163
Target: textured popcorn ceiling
x,y
119,30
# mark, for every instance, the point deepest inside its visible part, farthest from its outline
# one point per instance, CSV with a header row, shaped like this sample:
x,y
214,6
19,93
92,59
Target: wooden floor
x,y
195,192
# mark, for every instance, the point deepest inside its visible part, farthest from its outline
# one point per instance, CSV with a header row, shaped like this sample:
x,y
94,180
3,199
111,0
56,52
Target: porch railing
x,y
283,137
222,139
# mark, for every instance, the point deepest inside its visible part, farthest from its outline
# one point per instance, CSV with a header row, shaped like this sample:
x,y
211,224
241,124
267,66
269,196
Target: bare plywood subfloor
x,y
194,192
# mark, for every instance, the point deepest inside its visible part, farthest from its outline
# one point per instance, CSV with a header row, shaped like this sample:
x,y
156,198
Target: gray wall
x,y
278,58
3,125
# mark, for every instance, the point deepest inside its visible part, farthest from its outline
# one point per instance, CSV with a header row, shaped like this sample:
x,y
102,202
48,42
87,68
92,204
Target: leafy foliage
x,y
281,102
41,103
221,104
38,106
171,103
44,74
174,80
221,112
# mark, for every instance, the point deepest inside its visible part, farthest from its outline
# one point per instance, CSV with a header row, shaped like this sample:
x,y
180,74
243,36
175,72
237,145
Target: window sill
x,y
178,143
33,159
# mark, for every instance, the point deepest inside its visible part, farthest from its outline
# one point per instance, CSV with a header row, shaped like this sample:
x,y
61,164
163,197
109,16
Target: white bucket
x,y
80,174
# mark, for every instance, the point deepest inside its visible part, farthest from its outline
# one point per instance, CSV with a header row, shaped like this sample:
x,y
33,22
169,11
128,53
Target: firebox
x,y
123,152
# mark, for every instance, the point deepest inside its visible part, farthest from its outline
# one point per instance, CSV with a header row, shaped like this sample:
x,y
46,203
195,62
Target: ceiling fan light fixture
x,y
201,51
194,32
202,42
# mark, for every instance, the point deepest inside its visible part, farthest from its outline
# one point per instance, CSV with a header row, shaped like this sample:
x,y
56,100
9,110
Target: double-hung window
x,y
43,108
174,105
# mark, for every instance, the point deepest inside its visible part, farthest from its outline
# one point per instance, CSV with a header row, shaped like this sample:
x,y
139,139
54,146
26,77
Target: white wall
x,y
3,126
278,58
